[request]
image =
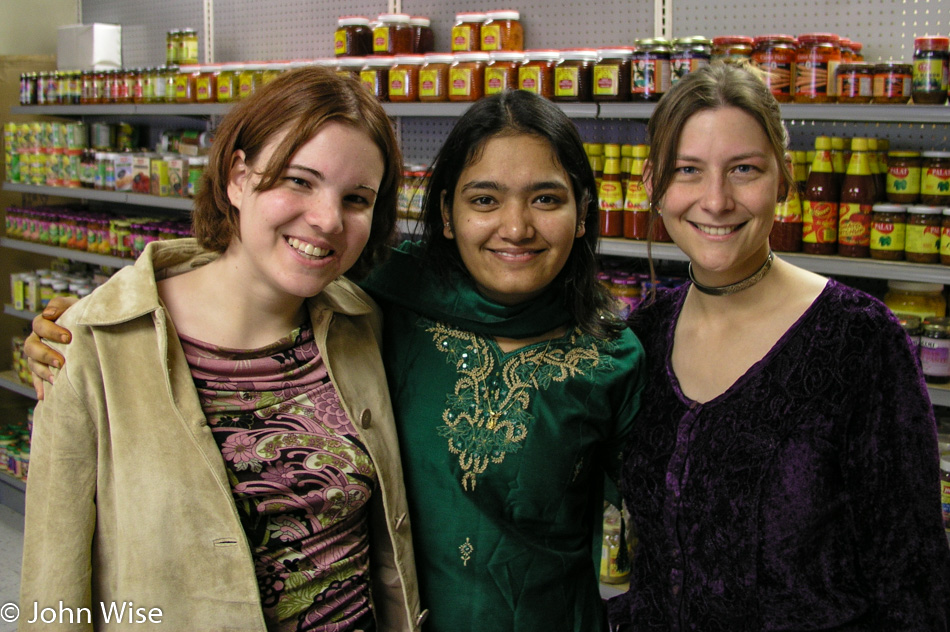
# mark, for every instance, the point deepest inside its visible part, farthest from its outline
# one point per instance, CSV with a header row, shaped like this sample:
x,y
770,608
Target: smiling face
x,y
312,226
720,203
513,217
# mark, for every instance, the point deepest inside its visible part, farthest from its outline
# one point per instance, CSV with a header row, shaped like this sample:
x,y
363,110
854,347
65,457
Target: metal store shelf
x,y
10,310
66,253
10,381
118,197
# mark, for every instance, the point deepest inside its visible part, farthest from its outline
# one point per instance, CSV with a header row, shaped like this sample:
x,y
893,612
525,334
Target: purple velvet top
x,y
805,497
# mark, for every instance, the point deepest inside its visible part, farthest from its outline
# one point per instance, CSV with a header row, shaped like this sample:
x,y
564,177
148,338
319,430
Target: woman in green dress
x,y
512,383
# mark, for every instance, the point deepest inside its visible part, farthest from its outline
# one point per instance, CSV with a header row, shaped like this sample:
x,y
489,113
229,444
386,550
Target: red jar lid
x,y
761,39
934,42
819,37
725,40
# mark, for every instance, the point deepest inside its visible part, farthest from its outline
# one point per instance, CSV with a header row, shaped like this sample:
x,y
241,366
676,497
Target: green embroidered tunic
x,y
504,453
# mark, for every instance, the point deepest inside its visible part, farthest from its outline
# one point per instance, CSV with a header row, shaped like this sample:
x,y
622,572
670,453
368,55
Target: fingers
x,y
40,358
38,387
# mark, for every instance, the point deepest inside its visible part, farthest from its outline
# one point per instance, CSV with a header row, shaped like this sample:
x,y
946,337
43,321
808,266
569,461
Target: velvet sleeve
x,y
891,471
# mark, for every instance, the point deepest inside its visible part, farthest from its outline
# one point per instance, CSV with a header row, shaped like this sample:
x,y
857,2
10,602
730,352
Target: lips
x,y
307,249
717,231
516,255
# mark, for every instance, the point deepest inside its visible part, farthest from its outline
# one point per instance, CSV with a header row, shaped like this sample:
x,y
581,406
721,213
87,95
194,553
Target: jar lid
x,y
914,286
398,18
470,16
946,210
542,55
936,324
353,20
889,208
896,66
935,154
438,58
693,40
819,37
920,209
650,42
823,143
579,53
411,60
723,40
503,15
778,37
903,154
506,55
621,52
856,46
932,42
418,20
470,56
855,66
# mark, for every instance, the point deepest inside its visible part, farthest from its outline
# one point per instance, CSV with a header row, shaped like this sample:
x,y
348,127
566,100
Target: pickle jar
x,y
931,56
736,48
612,74
892,83
922,242
185,84
249,79
171,84
188,47
935,350
649,70
924,300
375,75
423,39
688,54
227,84
502,30
501,73
353,37
903,177
888,230
350,66
935,178
206,83
573,74
775,56
816,58
392,34
172,44
404,78
945,237
855,81
434,77
467,32
536,74
467,76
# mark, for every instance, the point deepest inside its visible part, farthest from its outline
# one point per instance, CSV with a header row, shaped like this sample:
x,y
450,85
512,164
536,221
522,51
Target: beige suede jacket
x,y
128,503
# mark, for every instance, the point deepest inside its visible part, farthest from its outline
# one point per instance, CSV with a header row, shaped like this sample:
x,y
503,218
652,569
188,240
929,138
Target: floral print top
x,y
300,478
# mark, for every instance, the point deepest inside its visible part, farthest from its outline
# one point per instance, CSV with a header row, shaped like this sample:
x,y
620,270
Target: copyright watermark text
x,y
113,612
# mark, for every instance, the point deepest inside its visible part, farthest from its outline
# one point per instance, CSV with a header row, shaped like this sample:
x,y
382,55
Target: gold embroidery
x,y
475,432
466,549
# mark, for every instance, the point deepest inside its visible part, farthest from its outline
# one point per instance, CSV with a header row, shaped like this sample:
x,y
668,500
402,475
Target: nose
x,y
717,195
516,222
325,213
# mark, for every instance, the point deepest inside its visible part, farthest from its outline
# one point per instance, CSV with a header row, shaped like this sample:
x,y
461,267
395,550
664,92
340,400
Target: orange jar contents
x,y
423,39
903,177
573,75
888,232
404,78
501,73
775,56
206,84
732,48
467,76
924,224
392,34
467,32
502,30
816,59
353,37
893,81
611,78
434,77
935,178
185,84
855,82
536,74
375,75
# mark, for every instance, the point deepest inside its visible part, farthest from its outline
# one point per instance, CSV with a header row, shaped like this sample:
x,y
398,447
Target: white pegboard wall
x,y
145,25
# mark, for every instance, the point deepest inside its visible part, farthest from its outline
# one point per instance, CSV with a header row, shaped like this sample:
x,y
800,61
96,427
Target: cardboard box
x,y
89,47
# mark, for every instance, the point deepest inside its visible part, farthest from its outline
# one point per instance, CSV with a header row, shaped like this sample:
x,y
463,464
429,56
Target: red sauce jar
x,y
501,73
467,76
434,77
775,56
611,76
732,48
353,37
423,39
467,32
404,78
502,30
392,34
573,75
375,75
536,74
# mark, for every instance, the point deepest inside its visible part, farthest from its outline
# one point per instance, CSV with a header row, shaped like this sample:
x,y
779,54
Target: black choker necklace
x,y
738,286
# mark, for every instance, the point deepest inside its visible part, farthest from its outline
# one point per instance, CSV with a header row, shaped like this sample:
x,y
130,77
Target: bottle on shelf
x,y
610,194
636,206
858,194
820,204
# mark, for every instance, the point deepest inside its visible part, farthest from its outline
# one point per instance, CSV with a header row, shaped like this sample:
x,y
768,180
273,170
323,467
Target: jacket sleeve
x,y
389,602
891,469
60,510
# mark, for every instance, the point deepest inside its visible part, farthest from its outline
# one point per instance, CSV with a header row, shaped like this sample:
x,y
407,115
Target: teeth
x,y
307,249
715,230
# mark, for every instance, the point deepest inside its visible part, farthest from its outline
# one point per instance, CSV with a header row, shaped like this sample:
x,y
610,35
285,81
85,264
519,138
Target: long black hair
x,y
520,112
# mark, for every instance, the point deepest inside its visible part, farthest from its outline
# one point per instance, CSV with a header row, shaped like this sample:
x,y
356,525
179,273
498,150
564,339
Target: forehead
x,y
514,157
711,127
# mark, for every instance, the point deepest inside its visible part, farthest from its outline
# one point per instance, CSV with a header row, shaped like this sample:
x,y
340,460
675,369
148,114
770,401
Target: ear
x,y
582,217
237,177
446,218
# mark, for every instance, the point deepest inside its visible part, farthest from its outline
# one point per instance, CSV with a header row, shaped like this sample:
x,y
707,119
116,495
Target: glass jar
x,y
172,45
392,35
855,82
120,86
775,55
924,300
892,82
350,66
375,75
688,54
903,177
142,90
573,74
935,350
227,84
185,89
188,48
502,30
931,63
467,76
404,78
206,84
87,89
649,70
732,48
467,31
922,243
888,230
935,178
272,70
171,79
817,57
434,77
249,79
423,39
612,74
536,74
945,237
501,73
353,37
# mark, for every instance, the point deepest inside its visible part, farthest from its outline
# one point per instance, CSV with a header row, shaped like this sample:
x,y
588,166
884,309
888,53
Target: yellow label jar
x,y
501,73
434,77
924,300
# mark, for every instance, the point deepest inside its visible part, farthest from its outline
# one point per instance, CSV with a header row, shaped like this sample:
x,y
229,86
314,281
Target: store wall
x,y
28,27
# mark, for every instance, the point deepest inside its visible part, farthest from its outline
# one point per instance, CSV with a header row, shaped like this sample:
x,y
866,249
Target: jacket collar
x,y
133,292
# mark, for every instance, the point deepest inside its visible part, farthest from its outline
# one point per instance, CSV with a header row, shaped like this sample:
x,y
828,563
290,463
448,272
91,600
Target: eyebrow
x,y
736,158
494,186
319,176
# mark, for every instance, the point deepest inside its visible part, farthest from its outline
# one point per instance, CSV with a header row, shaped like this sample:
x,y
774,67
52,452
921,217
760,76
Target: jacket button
x,y
366,419
401,519
422,617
